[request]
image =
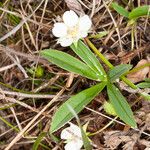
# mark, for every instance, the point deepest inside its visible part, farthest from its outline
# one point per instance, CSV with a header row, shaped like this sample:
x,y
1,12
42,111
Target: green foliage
x,y
109,108
99,35
12,18
38,141
77,102
9,124
92,69
120,105
146,96
117,71
89,58
69,63
122,11
86,141
39,72
139,12
144,85
134,14
147,79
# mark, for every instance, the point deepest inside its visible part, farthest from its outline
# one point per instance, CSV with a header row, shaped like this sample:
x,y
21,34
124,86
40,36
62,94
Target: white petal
x,y
85,23
74,145
65,134
59,30
75,130
83,34
70,132
70,18
65,41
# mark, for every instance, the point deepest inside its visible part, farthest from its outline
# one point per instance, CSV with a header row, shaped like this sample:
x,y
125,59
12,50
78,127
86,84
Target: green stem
x,y
100,130
9,124
91,45
138,68
123,78
95,50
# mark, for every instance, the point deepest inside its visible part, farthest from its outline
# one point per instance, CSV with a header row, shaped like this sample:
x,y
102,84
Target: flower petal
x,y
75,130
65,41
73,145
70,18
71,131
65,134
83,34
59,30
85,23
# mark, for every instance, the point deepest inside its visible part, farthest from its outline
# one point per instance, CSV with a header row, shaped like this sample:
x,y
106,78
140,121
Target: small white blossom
x,y
72,28
73,137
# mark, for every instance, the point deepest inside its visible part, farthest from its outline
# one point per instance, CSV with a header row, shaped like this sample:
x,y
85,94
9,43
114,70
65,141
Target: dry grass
x,y
28,101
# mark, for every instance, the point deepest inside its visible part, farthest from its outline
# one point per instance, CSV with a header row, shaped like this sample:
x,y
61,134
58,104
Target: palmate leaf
x,y
89,58
69,63
120,105
77,102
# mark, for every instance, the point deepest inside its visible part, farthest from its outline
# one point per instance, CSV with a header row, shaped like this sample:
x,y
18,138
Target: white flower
x,y
73,137
72,29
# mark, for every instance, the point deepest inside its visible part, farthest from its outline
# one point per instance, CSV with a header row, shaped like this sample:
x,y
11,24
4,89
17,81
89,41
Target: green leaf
x,y
86,141
98,35
120,105
38,141
89,58
77,102
139,12
117,71
122,11
69,63
147,79
39,72
145,95
143,85
109,109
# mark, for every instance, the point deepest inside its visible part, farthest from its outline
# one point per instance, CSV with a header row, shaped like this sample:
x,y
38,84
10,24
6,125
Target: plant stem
x,y
91,45
138,68
95,50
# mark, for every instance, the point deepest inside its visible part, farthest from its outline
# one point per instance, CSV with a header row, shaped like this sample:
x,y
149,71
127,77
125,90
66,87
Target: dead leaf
x,y
146,143
75,6
112,139
148,121
129,141
141,74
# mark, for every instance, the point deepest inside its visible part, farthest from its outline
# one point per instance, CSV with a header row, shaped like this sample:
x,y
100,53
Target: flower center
x,y
73,31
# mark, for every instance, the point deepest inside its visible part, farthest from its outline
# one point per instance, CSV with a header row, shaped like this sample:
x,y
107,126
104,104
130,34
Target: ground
x,y
28,82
